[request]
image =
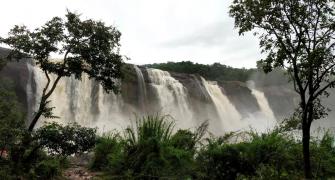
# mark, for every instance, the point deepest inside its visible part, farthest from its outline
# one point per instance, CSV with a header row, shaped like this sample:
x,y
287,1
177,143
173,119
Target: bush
x,y
66,140
11,117
150,149
48,169
107,153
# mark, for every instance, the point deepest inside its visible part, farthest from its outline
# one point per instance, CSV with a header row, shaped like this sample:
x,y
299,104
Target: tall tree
x,y
87,46
297,35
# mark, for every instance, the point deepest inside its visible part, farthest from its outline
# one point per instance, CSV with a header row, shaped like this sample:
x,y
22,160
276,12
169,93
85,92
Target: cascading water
x,y
86,103
265,119
172,97
264,104
29,88
141,88
230,119
83,102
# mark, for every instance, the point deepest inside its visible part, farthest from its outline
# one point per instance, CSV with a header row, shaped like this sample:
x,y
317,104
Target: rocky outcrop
x,y
199,98
282,100
240,95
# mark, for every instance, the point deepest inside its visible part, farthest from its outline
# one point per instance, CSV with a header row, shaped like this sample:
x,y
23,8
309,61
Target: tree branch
x,y
323,89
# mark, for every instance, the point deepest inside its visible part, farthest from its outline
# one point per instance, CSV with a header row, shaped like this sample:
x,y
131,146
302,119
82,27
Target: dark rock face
x,y
237,92
18,73
240,95
199,99
193,85
282,100
280,94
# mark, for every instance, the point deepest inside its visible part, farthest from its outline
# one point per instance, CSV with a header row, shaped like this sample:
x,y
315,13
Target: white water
x,y
230,119
172,97
142,89
86,103
29,89
75,101
265,119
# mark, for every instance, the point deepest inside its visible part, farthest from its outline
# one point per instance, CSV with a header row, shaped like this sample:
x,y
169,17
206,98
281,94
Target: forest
x,y
214,72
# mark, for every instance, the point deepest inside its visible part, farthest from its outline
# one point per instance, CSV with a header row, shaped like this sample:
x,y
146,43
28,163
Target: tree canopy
x,y
214,72
87,46
297,35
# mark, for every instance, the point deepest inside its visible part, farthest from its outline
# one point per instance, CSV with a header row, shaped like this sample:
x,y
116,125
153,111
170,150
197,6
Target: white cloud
x,y
152,30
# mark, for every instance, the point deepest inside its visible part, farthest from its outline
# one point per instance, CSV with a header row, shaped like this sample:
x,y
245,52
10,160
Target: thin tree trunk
x,y
306,126
306,151
43,103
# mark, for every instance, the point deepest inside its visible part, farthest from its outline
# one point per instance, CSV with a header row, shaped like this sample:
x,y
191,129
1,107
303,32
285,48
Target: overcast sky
x,y
152,30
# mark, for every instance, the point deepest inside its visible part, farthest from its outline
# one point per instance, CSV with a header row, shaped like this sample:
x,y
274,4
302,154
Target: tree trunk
x,y
37,116
43,102
306,151
306,136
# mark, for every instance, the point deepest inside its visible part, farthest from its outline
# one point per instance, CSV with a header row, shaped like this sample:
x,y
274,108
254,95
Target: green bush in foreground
x,y
154,150
150,150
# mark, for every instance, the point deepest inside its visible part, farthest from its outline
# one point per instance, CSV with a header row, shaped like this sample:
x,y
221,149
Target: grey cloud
x,y
211,35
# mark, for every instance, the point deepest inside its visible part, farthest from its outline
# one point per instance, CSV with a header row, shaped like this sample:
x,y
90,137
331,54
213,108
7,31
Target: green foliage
x,y
271,155
298,36
323,157
11,117
218,160
47,169
145,146
34,164
107,153
214,72
150,127
65,140
149,150
87,46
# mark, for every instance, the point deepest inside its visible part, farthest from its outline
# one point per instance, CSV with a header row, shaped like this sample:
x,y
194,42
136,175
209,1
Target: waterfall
x,y
172,97
141,88
230,119
76,100
264,119
30,89
85,102
263,104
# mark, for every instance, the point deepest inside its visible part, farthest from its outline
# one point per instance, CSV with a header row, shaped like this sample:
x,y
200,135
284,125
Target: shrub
x,y
150,149
107,152
48,169
66,140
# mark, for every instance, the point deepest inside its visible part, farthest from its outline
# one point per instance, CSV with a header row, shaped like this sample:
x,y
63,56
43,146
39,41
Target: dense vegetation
x,y
88,47
154,150
215,72
38,155
297,36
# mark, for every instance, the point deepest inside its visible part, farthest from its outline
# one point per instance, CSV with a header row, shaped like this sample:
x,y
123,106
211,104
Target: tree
x,y
65,140
87,46
297,35
11,117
